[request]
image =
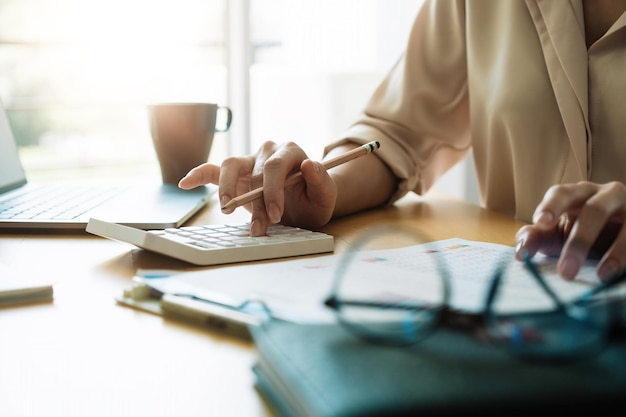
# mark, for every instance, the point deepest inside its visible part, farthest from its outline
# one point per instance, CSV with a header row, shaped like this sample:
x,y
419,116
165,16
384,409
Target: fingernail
x,y
568,267
520,248
608,269
274,213
543,217
224,200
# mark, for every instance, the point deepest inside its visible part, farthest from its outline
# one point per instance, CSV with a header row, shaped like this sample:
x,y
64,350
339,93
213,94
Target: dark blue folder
x,y
322,370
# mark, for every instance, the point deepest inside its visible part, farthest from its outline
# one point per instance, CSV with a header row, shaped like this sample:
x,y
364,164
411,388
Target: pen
x,y
297,177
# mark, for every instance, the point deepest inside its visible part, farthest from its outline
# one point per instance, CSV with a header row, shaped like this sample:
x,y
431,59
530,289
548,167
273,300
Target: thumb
x,y
321,190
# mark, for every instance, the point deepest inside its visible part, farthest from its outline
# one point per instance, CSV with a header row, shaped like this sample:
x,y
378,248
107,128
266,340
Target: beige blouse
x,y
512,81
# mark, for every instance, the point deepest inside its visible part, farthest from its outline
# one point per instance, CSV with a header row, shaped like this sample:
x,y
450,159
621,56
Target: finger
x,y
560,199
260,219
285,161
532,239
320,188
316,197
594,215
200,175
233,172
528,241
614,260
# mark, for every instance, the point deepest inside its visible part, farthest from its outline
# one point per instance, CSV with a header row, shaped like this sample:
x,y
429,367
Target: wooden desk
x,y
83,355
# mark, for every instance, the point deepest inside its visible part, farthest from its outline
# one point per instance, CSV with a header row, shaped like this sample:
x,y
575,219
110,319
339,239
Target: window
x,y
76,75
315,64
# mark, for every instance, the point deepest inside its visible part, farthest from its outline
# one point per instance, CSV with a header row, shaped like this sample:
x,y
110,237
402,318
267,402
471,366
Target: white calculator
x,y
218,244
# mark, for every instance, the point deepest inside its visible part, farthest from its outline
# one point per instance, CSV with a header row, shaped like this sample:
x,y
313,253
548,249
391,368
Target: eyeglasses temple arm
x,y
541,281
334,303
493,288
605,285
495,284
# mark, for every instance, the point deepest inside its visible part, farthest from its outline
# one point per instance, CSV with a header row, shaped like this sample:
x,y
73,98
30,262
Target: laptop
x,y
73,203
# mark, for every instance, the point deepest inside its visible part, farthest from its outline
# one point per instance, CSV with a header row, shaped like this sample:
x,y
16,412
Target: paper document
x,y
296,289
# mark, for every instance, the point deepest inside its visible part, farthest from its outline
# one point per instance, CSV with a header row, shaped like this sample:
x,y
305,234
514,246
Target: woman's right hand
x,y
308,204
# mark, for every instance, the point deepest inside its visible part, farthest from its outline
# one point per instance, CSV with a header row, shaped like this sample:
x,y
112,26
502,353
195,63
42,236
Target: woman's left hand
x,y
578,221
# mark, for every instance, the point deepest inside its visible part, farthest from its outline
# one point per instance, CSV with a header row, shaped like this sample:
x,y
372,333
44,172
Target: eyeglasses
x,y
400,297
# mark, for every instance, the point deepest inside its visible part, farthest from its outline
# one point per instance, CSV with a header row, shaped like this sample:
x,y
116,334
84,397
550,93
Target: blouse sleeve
x,y
420,111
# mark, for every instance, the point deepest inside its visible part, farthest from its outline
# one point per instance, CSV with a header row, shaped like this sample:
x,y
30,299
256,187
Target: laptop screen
x,y
11,171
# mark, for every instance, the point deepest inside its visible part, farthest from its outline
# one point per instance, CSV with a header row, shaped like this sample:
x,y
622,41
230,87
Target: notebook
x,y
73,203
321,370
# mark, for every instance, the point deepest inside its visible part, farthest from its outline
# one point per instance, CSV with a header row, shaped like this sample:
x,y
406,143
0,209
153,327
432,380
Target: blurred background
x,y
76,75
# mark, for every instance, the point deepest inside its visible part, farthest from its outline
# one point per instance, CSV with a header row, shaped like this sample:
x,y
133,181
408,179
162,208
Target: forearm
x,y
361,184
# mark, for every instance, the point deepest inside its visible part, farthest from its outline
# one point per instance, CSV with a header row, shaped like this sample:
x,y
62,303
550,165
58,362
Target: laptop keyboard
x,y
57,202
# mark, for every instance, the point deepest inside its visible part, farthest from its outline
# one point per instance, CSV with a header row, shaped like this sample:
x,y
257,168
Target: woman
x,y
535,89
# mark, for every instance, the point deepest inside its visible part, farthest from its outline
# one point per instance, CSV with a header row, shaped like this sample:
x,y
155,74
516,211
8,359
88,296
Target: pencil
x,y
297,177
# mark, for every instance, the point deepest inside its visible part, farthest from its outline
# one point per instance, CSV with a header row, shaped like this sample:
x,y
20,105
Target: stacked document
x,y
294,290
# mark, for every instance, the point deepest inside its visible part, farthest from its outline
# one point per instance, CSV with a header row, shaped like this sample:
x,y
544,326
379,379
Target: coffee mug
x,y
182,134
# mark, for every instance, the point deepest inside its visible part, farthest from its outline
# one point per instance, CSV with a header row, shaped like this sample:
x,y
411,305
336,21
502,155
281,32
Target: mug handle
x,y
229,119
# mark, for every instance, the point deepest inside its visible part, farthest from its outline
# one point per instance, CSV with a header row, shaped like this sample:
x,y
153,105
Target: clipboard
x,y
233,320
234,297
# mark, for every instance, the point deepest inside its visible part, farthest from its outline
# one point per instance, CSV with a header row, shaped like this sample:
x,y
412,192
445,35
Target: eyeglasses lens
x,y
538,314
390,297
